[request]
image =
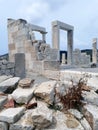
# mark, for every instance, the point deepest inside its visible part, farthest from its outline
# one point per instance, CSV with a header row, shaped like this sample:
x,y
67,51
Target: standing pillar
x,y
63,58
55,37
94,51
70,47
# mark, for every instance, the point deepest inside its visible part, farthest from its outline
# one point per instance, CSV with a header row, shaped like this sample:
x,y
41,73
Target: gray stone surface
x,y
9,85
91,114
3,126
46,91
40,118
90,97
23,95
65,122
11,115
25,122
85,124
81,118
20,65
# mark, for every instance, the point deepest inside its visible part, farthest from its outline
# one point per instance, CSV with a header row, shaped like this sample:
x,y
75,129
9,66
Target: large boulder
x,y
25,122
65,122
42,116
46,91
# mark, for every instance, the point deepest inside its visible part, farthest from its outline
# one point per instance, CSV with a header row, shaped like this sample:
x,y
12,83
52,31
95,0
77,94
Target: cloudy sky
x,y
83,15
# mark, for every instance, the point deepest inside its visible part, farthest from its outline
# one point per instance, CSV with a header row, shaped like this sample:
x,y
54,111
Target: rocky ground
x,y
37,104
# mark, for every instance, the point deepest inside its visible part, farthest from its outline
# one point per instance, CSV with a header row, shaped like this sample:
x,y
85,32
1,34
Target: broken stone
x,y
93,83
46,91
90,97
11,115
76,113
9,85
42,116
91,114
81,118
65,122
26,82
25,123
3,126
21,95
85,124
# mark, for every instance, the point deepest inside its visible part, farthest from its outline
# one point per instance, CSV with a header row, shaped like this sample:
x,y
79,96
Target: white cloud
x,y
82,15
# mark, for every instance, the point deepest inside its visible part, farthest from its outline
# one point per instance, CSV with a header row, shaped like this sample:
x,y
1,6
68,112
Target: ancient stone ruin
x,y
37,92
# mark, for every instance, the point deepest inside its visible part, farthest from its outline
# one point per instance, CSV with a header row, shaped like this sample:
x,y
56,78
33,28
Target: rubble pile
x,y
26,104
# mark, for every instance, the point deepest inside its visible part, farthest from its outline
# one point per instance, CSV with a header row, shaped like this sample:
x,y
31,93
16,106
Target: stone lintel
x,y
62,25
37,28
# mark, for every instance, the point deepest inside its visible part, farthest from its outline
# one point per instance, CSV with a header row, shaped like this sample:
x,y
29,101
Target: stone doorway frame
x,y
56,26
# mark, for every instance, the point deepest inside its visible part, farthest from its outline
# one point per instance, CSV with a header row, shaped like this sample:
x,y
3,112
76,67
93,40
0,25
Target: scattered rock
x,y
9,85
85,124
23,95
25,123
76,113
25,83
65,122
46,91
42,116
90,97
91,114
11,115
81,118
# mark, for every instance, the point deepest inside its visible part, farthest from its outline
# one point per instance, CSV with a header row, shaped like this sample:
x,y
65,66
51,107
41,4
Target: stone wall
x,y
22,40
80,59
6,67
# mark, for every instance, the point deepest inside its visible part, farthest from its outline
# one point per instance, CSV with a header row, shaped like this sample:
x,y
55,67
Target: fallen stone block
x,y
21,95
46,91
26,82
91,114
3,126
25,122
9,85
90,97
65,122
11,115
42,116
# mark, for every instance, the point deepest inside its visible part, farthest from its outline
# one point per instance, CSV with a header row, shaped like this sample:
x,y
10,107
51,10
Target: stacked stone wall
x,y
6,67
